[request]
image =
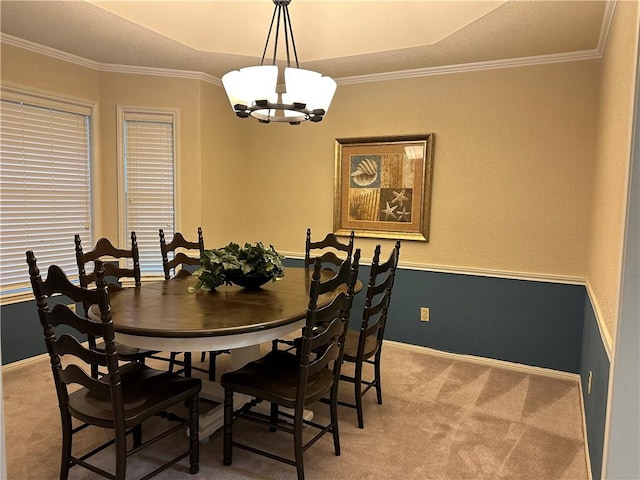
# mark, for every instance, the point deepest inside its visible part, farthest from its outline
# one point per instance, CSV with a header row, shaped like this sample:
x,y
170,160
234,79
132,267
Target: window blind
x,y
149,183
45,186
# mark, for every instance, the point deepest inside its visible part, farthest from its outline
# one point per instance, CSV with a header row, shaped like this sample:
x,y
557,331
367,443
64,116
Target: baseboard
x,y
584,430
490,362
24,362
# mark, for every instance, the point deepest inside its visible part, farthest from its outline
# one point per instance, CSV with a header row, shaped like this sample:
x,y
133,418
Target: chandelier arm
x,y
275,46
293,40
266,44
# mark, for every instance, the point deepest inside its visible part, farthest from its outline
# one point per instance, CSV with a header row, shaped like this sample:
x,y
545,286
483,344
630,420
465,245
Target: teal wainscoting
x,y
528,322
594,359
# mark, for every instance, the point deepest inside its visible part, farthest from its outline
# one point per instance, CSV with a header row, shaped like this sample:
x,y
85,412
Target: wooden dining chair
x,y
110,255
331,252
181,264
364,346
295,380
121,400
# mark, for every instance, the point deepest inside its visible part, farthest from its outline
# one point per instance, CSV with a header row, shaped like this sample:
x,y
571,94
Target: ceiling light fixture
x,y
252,90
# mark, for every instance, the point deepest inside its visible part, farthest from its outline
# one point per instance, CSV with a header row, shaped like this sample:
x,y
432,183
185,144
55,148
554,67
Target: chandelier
x,y
252,90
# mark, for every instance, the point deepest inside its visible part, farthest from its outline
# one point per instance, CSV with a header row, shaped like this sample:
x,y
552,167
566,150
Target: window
x,y
45,185
148,158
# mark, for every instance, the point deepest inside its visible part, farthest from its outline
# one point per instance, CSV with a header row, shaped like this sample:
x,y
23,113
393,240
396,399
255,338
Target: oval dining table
x,y
168,316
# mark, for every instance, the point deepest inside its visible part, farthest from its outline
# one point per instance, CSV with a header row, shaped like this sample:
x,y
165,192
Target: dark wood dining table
x,y
167,316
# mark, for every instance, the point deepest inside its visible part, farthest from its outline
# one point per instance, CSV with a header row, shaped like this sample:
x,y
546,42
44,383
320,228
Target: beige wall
x,y
525,179
222,170
152,91
47,73
512,176
613,152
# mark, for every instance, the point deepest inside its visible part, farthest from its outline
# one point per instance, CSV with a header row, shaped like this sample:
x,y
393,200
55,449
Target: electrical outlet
x,y
589,384
72,307
424,314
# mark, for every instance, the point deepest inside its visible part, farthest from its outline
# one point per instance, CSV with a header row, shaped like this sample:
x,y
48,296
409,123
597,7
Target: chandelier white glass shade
x,y
252,90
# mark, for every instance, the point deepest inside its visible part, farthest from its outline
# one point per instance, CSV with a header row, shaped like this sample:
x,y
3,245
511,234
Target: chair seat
x,y
351,346
147,391
274,377
129,354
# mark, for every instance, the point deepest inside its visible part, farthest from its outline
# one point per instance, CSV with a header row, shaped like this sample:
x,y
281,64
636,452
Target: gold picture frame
x,y
383,186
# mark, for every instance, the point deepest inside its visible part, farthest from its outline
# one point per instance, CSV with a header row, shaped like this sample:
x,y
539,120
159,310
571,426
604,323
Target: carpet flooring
x,y
443,417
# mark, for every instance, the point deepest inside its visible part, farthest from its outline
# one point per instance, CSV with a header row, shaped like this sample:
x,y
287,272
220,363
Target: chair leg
x,y
297,443
194,445
121,454
137,435
187,364
333,410
172,361
376,367
203,357
212,366
227,434
357,391
67,438
273,417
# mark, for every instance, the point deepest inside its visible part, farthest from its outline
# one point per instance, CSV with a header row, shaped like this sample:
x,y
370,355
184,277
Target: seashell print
x,y
365,173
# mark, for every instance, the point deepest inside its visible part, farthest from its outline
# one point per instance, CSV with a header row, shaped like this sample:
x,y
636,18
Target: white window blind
x,y
45,186
149,159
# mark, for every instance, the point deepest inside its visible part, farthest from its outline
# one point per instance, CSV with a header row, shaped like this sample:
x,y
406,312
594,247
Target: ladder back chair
x,y
327,251
295,380
364,346
105,251
119,401
178,265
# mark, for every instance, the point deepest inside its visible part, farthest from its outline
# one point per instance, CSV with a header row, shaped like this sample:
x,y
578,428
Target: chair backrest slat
x,y
105,251
325,248
68,345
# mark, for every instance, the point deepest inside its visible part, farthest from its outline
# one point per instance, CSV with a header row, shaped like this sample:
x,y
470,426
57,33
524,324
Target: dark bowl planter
x,y
250,281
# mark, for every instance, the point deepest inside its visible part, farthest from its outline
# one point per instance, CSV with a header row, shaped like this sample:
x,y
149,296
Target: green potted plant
x,y
250,266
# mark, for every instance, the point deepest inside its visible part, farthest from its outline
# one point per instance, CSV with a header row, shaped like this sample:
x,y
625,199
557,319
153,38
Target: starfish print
x,y
404,215
399,197
388,212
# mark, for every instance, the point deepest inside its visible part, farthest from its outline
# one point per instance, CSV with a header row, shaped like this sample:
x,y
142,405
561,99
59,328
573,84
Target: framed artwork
x,y
383,186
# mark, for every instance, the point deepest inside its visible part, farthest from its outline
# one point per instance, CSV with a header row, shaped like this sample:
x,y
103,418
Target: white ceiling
x,y
341,38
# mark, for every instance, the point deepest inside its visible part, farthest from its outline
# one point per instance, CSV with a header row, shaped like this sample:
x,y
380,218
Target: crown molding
x,y
161,72
106,67
402,74
473,67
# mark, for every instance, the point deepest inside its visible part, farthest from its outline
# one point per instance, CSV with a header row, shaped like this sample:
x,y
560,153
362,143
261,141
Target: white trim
x,y
160,72
25,362
413,73
584,429
593,54
490,362
477,272
607,19
48,51
604,334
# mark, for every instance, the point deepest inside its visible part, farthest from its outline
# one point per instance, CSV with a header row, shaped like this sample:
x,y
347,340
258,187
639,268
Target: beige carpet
x,y
443,417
